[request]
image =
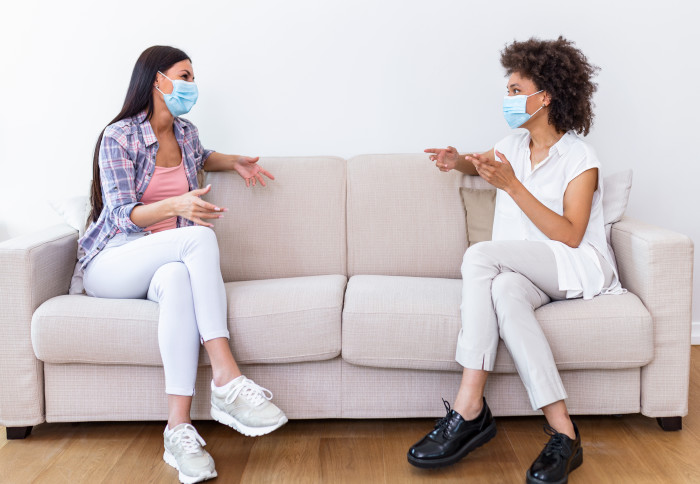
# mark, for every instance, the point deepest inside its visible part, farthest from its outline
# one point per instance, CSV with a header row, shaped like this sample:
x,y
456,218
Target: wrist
x,y
170,206
514,188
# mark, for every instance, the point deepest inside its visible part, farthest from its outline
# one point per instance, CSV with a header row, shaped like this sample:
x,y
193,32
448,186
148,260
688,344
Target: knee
x,y
506,287
476,256
171,277
203,237
200,233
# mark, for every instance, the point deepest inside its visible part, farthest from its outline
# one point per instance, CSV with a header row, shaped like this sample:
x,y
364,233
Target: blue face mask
x,y
515,109
183,97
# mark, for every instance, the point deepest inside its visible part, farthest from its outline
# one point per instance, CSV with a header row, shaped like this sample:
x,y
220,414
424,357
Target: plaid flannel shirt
x,y
127,163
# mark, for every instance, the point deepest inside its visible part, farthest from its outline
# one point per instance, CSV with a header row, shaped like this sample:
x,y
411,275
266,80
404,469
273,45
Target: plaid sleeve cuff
x,y
123,218
205,155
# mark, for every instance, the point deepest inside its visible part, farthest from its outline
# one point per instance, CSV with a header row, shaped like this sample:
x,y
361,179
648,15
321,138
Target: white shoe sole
x,y
185,479
226,419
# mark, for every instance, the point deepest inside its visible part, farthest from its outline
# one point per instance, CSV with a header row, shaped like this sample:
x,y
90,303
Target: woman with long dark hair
x,y
150,237
548,244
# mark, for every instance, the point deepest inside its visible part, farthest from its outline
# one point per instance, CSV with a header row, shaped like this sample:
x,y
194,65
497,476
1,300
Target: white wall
x,y
341,78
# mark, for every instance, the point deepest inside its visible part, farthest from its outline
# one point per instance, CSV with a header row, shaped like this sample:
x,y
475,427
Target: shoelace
x,y
188,437
442,423
556,444
253,392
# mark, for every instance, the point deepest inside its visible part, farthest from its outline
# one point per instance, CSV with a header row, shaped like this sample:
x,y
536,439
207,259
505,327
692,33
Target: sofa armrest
x,y
33,268
657,265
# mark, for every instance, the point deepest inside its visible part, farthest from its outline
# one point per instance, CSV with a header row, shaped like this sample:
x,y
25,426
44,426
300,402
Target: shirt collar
x,y
563,145
149,137
179,130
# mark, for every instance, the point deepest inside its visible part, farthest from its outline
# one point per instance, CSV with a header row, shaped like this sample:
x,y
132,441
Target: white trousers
x,y
179,269
503,283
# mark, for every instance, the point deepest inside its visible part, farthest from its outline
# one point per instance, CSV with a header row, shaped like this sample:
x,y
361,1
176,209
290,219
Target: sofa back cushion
x,y
294,227
405,217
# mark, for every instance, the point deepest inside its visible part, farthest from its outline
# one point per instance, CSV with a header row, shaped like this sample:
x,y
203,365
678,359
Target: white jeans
x,y
503,283
179,269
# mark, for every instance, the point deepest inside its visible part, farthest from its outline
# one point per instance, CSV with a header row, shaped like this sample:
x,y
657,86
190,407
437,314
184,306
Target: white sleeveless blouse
x,y
579,270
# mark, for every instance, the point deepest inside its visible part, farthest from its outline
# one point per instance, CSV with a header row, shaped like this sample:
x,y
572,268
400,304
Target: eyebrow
x,y
515,84
188,72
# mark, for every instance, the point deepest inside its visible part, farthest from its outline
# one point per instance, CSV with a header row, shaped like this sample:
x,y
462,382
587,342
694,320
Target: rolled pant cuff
x,y
214,335
179,391
475,361
546,392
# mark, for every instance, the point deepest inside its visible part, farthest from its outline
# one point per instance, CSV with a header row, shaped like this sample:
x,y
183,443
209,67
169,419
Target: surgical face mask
x,y
183,97
515,109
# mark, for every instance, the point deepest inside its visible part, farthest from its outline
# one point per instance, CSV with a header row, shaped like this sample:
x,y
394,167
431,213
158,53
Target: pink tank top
x,y
166,182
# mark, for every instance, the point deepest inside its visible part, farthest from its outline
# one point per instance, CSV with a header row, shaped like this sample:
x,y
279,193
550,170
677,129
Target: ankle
x,y
175,421
469,410
565,427
222,378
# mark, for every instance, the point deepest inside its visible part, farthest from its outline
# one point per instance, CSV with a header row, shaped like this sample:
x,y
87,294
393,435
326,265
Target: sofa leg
x,y
16,433
670,423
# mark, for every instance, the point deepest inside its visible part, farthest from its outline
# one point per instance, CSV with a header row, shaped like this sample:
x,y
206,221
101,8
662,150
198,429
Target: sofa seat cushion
x,y
270,321
413,322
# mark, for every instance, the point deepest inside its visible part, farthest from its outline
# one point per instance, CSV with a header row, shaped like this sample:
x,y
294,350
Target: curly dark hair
x,y
562,70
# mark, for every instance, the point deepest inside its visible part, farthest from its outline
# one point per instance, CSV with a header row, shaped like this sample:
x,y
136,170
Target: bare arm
x,y
188,205
447,159
246,166
568,228
220,162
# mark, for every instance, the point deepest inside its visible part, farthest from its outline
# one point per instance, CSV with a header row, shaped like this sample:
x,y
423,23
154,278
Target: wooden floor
x,y
627,449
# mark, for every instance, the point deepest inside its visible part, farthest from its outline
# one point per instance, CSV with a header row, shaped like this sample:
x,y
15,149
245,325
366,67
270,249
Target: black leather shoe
x,y
560,456
452,438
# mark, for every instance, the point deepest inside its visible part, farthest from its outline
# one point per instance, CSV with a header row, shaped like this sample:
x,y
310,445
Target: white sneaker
x,y
246,407
183,451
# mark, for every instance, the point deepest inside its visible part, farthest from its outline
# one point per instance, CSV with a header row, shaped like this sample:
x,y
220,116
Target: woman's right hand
x,y
192,207
445,158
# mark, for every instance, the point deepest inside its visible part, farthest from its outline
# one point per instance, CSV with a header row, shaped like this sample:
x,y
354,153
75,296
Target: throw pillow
x,y
74,210
616,193
480,205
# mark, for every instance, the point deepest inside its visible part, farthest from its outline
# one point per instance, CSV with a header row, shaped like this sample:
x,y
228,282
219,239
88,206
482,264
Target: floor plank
x,y
349,460
142,461
283,457
21,461
626,449
94,448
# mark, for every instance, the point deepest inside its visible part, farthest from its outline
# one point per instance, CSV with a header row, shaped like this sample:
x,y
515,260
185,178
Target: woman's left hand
x,y
499,174
250,171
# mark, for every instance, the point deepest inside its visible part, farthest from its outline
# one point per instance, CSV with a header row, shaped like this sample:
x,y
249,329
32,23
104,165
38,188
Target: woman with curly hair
x,y
548,244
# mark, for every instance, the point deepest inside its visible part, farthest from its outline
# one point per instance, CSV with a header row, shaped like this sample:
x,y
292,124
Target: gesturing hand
x,y
249,170
499,174
193,208
445,158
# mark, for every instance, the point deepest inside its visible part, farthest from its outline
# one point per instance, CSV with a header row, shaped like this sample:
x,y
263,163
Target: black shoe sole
x,y
575,463
480,439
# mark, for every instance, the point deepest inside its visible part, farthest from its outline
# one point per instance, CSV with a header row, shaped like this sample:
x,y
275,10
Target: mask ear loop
x,y
543,105
173,83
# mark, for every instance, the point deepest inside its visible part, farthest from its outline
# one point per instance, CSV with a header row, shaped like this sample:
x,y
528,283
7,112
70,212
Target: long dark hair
x,y
138,97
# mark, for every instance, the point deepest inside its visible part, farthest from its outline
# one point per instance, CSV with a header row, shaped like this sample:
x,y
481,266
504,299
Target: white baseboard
x,y
695,333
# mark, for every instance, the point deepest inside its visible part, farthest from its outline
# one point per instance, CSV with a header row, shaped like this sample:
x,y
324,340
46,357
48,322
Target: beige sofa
x,y
343,281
